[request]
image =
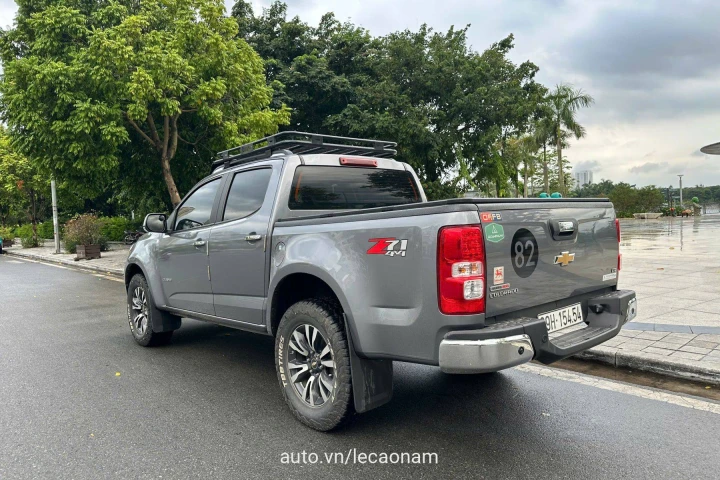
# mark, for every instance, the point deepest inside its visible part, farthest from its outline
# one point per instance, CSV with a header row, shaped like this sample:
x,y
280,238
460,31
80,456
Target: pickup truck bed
x,y
396,297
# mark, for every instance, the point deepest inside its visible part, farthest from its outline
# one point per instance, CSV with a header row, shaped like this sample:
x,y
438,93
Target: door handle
x,y
253,237
199,243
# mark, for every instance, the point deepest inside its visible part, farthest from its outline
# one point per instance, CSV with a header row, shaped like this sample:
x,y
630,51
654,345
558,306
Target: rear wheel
x,y
141,311
313,363
129,239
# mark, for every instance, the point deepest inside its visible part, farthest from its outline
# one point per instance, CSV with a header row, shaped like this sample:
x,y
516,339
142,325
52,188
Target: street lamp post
x,y
681,203
56,226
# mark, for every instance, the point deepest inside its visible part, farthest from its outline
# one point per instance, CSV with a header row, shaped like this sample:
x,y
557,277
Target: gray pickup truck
x,y
331,246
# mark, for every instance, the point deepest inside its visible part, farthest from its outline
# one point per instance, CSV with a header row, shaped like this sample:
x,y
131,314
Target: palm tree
x,y
543,135
564,102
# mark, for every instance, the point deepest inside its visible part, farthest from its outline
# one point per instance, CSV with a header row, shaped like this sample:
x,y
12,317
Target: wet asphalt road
x,y
208,406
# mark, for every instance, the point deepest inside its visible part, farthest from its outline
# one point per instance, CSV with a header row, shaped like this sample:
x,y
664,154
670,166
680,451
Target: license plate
x,y
562,317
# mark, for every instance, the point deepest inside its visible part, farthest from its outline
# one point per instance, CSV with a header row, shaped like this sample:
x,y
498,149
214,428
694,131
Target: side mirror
x,y
155,222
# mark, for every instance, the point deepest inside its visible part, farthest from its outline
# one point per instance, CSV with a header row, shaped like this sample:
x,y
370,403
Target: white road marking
x,y
106,277
32,260
49,264
648,393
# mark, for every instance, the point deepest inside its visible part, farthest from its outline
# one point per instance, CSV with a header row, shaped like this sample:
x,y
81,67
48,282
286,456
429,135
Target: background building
x,y
583,178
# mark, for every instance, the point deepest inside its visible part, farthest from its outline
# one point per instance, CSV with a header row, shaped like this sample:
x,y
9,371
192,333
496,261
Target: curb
x,y
648,363
65,263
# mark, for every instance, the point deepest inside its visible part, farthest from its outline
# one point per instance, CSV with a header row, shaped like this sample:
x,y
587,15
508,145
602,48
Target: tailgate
x,y
542,253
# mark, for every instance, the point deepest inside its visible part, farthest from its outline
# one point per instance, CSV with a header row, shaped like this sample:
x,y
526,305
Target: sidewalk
x,y
109,263
673,266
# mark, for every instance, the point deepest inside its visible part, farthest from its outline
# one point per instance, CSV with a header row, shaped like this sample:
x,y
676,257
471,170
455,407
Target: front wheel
x,y
129,239
141,311
313,363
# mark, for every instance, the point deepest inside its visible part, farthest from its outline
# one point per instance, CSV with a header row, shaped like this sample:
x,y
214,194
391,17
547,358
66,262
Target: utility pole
x,y
681,202
56,226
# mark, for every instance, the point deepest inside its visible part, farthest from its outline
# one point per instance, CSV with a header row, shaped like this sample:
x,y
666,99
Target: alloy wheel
x,y
139,318
311,365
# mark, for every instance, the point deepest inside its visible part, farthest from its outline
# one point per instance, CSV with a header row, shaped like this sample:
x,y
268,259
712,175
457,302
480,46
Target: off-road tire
x,y
147,338
326,316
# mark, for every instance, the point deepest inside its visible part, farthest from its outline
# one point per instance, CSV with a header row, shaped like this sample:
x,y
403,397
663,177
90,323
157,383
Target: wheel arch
x,y
132,269
297,283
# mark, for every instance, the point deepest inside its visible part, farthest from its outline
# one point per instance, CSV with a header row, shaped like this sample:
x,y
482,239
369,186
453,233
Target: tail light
x,y
461,270
617,228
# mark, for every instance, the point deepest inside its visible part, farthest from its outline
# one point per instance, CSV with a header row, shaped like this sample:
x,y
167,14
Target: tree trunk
x,y
165,146
561,175
525,181
170,181
545,169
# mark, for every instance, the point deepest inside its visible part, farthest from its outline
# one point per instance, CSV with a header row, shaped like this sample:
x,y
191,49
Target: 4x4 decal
x,y
388,246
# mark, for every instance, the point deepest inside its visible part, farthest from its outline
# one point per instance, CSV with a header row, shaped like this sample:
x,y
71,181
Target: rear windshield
x,y
337,188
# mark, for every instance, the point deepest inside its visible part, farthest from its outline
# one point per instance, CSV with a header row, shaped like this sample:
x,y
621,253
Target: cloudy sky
x,y
652,66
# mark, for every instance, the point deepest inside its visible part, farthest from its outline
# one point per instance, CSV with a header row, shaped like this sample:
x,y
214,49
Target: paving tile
x,y
700,295
613,342
709,338
686,355
652,335
668,345
634,344
649,308
657,351
712,306
688,317
628,333
714,354
697,342
674,337
670,283
659,327
642,291
700,350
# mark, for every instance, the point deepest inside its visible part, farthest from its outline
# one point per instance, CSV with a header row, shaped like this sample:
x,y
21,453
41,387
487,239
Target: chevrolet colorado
x,y
330,245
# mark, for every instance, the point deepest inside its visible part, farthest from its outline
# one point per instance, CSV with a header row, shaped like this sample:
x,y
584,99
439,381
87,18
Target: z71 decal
x,y
388,246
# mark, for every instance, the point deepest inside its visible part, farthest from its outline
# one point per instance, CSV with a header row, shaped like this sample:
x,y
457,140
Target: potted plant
x,y
82,237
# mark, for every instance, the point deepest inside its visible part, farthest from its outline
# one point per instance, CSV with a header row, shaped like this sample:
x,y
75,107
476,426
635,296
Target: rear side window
x,y
338,188
247,193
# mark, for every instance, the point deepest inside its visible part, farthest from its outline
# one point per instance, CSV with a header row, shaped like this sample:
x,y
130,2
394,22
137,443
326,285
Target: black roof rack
x,y
304,143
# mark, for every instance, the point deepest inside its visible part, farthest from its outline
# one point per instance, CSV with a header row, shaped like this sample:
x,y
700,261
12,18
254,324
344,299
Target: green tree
x,y
564,102
445,104
83,80
648,199
542,132
624,198
21,183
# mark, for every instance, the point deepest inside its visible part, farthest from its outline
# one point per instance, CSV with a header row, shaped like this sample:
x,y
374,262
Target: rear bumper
x,y
510,343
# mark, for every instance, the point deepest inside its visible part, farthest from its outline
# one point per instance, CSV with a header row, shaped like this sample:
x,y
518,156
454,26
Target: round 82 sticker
x,y
524,252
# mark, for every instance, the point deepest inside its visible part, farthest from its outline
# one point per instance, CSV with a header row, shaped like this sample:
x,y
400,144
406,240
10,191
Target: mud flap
x,y
372,380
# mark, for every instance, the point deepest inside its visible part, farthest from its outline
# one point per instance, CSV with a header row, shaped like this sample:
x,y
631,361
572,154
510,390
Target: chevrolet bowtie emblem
x,y
564,258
